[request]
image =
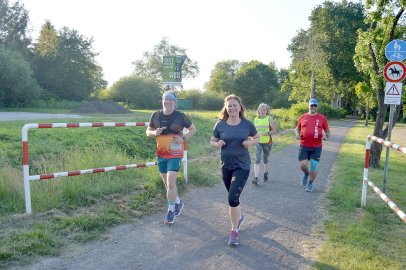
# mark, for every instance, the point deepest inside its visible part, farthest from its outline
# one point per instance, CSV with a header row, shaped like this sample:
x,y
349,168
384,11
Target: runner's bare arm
x,y
190,132
216,142
152,132
297,133
272,125
326,134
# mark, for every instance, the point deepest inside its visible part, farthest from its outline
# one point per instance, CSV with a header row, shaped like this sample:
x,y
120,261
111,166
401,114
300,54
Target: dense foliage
x,y
136,92
322,56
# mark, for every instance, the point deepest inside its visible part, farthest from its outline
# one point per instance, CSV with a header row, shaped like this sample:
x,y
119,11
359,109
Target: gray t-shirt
x,y
233,154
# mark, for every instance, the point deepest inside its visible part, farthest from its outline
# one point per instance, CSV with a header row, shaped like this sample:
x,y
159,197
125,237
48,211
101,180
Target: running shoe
x,y
240,222
170,218
233,241
265,177
255,181
304,180
178,208
309,187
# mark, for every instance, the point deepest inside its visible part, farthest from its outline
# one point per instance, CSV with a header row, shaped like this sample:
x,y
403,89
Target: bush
x,y
136,92
287,118
203,100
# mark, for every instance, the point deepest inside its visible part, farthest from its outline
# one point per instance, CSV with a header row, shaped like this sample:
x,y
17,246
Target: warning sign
x,y
393,93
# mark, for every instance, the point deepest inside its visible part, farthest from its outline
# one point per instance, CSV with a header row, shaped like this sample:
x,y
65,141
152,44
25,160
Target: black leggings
x,y
234,180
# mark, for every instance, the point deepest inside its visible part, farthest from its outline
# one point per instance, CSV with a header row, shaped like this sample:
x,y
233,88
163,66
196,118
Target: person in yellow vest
x,y
266,127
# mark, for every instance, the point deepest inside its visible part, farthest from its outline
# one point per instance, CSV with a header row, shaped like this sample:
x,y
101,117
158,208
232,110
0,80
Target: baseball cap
x,y
313,101
169,95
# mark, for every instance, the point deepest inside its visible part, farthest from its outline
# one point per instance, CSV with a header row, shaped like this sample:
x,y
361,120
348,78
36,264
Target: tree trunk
x,y
312,85
379,131
366,116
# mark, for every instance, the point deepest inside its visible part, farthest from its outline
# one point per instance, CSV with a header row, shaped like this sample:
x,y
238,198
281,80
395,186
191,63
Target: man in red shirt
x,y
309,131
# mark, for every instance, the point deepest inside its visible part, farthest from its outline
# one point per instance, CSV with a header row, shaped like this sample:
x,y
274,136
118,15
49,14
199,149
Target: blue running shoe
x,y
178,207
240,222
309,187
233,240
304,180
170,218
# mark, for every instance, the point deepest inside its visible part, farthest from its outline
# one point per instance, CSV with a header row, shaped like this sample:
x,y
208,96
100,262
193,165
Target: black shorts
x,y
309,153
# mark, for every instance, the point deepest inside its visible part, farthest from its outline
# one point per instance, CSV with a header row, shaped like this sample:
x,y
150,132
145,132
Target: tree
x,y
150,66
14,27
322,56
366,96
17,85
386,24
47,43
256,82
137,92
222,77
65,65
335,27
307,59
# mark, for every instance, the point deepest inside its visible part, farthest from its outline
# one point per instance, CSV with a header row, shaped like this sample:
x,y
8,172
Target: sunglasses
x,y
313,105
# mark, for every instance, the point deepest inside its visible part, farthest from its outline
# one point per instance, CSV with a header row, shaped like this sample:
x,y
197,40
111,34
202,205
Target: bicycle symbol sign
x,y
396,50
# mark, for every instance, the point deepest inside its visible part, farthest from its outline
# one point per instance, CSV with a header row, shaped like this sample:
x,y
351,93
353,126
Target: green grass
x,y
371,238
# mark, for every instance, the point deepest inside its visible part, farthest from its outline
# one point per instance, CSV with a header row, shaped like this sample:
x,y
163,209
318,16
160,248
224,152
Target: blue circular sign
x,y
396,50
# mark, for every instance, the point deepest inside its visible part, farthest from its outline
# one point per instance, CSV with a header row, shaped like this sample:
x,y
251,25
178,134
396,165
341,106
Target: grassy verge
x,y
371,238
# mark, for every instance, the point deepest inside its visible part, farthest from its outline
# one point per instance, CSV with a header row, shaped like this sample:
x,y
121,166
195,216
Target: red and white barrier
x,y
367,182
26,166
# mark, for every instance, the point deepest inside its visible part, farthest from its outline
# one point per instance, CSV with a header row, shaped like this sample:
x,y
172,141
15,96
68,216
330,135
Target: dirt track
x,y
281,229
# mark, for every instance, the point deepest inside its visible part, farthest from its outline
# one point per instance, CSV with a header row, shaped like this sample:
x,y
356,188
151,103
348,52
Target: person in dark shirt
x,y
233,134
167,126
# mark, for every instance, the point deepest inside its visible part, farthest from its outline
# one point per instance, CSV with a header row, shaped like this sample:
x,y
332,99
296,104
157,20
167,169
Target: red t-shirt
x,y
311,129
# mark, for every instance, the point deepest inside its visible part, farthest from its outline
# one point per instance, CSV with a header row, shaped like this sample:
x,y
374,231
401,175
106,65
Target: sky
x,y
210,30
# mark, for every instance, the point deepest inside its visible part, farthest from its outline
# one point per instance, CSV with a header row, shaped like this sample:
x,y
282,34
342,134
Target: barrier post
x,y
26,167
366,171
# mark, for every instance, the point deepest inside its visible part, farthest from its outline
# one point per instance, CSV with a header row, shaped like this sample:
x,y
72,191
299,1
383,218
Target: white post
x,y
185,165
26,169
27,190
365,176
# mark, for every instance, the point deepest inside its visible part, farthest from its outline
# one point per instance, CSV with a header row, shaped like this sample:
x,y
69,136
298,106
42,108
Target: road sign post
x,y
172,70
394,72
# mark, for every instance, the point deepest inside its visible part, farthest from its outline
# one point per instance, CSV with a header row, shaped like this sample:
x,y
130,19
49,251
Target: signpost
x,y
394,73
172,70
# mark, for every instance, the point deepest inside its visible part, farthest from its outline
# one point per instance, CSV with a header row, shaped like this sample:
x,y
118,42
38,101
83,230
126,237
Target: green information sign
x,y
172,69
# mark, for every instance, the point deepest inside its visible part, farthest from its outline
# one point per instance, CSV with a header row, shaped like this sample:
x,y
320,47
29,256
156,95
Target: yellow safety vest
x,y
262,125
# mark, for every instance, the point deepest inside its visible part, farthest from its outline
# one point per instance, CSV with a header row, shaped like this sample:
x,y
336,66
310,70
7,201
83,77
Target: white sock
x,y
177,200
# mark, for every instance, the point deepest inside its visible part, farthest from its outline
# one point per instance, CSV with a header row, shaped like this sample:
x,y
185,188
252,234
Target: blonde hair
x,y
223,115
263,105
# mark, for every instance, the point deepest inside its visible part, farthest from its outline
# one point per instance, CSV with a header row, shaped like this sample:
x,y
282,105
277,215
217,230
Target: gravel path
x,y
281,229
14,116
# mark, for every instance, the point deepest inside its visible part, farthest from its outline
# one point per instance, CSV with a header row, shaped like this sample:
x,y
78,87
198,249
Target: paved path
x,y
279,231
